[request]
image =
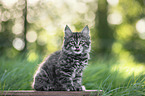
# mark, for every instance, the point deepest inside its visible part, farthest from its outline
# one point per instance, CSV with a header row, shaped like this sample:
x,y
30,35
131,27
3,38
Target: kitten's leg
x,y
77,81
65,80
42,81
78,77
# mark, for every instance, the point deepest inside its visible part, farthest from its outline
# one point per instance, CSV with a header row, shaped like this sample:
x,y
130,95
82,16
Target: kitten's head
x,y
77,42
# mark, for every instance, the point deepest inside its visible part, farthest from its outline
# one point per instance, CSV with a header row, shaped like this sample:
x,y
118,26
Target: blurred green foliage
x,y
33,29
117,26
113,24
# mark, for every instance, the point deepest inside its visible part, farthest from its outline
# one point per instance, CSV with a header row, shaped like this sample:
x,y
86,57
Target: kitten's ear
x,y
86,30
68,32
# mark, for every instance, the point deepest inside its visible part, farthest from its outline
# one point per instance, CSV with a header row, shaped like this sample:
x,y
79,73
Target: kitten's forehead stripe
x,y
76,36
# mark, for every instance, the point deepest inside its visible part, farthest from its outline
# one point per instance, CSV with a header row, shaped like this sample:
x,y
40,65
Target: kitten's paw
x,y
83,88
71,88
79,89
48,88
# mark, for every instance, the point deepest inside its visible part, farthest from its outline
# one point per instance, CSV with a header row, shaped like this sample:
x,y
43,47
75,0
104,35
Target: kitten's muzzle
x,y
77,47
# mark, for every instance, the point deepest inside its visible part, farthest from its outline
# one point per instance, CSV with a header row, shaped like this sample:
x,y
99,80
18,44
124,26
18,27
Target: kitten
x,y
62,71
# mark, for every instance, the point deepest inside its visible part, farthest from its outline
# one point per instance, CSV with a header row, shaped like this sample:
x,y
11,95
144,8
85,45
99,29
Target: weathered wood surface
x,y
51,93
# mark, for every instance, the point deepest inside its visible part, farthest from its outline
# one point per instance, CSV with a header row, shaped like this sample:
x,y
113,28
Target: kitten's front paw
x,y
79,89
48,88
71,88
83,88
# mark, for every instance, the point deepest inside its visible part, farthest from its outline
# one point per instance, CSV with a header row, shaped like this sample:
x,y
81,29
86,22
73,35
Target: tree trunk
x,y
25,25
104,32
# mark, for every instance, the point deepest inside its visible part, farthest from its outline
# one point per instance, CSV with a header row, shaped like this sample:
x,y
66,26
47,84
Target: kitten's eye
x,y
72,42
82,42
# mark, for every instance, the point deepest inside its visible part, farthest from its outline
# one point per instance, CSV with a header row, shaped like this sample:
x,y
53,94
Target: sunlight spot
x,y
117,47
113,2
9,3
32,56
52,44
20,21
42,40
124,32
17,14
17,28
129,68
5,16
18,44
51,30
81,7
31,15
140,27
90,16
32,2
123,55
114,18
31,36
142,35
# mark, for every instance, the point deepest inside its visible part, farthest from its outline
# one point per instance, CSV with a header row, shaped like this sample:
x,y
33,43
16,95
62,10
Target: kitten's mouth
x,y
77,49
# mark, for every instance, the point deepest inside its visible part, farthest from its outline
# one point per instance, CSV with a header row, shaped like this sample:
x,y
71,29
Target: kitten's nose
x,y
77,45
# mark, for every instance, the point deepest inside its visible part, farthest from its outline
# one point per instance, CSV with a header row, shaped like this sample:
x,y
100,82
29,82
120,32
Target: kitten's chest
x,y
77,65
73,64
76,62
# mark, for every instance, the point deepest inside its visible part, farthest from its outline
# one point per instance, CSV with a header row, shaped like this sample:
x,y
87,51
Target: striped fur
x,y
63,70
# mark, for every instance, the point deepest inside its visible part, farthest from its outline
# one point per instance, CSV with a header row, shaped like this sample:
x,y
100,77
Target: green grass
x,y
17,74
101,77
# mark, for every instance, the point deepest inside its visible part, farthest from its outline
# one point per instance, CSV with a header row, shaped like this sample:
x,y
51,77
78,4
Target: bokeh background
x,y
32,29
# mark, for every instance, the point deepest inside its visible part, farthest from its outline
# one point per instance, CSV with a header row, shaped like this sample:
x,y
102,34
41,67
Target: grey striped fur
x,y
63,70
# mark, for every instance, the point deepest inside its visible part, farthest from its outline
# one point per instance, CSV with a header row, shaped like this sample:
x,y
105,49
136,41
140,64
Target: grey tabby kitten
x,y
62,70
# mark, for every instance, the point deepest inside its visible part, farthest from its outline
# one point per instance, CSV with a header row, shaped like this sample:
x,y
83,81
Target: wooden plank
x,y
51,93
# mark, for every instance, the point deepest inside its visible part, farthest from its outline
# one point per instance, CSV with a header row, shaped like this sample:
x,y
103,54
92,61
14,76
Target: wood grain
x,y
52,93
